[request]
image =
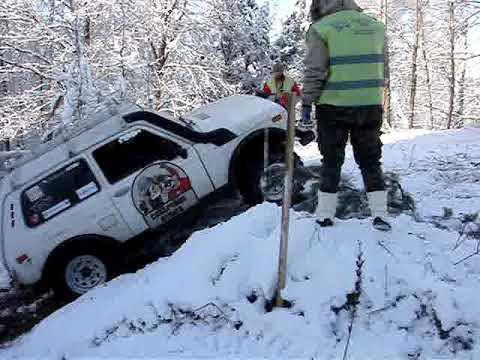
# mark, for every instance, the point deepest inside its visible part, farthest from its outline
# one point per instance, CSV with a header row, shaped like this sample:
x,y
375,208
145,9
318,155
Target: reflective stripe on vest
x,y
355,43
287,86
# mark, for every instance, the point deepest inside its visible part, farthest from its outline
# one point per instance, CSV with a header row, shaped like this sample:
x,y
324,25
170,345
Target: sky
x,y
475,48
280,10
475,40
282,7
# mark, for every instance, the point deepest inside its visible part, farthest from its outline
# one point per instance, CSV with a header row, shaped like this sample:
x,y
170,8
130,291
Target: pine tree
x,y
290,46
243,28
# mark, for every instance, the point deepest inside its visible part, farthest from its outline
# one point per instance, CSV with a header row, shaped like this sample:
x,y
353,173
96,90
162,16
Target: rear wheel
x,y
80,268
84,272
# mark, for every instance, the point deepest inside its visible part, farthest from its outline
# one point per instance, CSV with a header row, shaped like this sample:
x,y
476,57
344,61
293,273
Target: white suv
x,y
66,208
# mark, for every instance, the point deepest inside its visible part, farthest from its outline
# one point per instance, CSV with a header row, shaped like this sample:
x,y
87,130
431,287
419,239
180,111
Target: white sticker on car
x,y
34,194
87,190
47,214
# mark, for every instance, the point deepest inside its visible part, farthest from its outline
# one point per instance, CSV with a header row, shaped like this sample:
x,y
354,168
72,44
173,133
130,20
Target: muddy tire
x,y
251,186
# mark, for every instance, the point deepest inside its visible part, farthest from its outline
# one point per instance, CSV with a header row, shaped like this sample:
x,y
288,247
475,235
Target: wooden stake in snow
x,y
287,200
266,158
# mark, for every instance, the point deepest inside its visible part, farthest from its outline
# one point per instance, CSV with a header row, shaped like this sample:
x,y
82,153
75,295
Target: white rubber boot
x,y
377,201
326,208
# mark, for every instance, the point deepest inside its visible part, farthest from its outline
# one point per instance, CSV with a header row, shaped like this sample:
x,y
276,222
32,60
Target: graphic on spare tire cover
x,y
161,192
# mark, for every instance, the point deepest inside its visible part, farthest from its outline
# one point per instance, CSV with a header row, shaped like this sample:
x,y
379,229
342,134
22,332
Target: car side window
x,y
133,151
58,192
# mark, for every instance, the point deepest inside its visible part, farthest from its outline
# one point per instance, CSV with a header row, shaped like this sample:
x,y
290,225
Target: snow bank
x,y
417,287
412,296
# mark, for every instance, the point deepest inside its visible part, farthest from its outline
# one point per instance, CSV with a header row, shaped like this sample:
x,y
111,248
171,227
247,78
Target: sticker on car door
x,y
161,192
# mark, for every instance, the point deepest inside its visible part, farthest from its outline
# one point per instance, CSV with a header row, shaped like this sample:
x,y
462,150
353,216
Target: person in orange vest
x,y
278,89
280,86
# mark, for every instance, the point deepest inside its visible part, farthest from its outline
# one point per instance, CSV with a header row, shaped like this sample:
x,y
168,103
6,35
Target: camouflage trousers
x,y
362,124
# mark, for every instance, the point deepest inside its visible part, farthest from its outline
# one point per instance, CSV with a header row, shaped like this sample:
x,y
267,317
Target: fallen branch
x,y
383,246
353,299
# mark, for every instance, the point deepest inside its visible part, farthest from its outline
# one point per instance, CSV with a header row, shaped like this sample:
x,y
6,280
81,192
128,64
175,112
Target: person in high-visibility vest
x,y
280,86
344,78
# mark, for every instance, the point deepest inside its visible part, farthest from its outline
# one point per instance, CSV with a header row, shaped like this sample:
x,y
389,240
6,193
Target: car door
x,y
151,176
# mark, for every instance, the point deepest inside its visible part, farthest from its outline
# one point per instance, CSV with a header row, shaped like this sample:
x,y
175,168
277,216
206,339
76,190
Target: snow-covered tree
x,y
62,61
290,46
243,31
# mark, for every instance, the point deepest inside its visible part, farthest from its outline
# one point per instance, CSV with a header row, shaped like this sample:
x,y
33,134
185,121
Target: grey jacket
x,y
316,60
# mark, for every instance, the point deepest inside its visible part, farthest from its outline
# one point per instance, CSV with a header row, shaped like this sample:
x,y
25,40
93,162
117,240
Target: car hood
x,y
239,114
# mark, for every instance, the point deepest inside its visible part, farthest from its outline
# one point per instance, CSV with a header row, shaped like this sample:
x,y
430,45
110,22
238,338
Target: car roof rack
x,y
38,145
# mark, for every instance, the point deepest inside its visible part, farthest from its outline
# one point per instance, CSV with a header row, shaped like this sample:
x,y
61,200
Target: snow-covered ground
x,y
416,292
441,169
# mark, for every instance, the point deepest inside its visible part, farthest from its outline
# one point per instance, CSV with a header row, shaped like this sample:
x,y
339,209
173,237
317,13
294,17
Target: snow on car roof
x,y
200,116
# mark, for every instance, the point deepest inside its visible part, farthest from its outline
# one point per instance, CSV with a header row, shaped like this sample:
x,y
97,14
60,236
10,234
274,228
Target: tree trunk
x,y
387,93
122,50
5,145
413,84
451,99
461,91
427,73
160,55
79,42
87,31
6,83
3,83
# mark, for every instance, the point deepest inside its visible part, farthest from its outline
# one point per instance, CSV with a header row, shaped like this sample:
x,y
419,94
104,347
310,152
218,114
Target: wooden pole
x,y
266,158
287,200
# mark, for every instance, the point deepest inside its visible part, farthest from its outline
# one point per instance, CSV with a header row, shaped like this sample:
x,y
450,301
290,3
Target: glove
x,y
304,130
306,124
306,113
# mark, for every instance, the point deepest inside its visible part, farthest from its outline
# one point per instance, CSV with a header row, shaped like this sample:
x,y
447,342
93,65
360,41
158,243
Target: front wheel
x,y
261,184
